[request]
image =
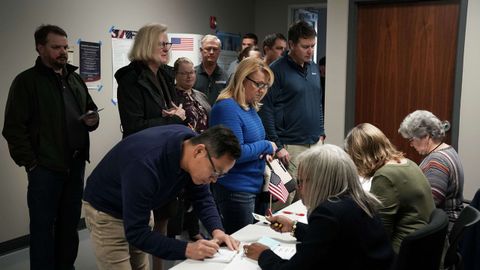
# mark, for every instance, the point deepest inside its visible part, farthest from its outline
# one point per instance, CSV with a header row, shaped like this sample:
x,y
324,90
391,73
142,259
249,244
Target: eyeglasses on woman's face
x,y
165,45
259,85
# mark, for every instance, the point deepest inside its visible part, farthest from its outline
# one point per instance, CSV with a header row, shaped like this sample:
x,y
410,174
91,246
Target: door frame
x,y
351,63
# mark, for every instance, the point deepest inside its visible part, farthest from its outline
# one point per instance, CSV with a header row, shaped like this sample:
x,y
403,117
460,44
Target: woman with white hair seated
x,y
343,231
441,165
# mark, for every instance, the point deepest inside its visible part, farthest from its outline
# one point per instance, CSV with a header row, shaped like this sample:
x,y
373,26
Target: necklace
x,y
435,148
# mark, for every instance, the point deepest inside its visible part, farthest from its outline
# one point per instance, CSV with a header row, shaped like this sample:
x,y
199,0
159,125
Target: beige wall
x,y
89,20
469,146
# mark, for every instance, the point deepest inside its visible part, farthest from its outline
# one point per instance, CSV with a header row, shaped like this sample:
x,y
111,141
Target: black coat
x,y
35,127
141,99
339,235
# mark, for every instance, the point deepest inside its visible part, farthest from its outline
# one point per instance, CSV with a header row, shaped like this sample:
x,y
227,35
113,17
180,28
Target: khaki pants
x,y
294,150
112,250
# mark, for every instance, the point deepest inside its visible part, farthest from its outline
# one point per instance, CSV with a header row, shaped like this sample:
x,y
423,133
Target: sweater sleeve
x,y
437,172
224,113
204,206
387,193
321,234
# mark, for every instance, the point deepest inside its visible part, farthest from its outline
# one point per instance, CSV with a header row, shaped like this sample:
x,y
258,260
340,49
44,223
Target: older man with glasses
x,y
144,172
211,78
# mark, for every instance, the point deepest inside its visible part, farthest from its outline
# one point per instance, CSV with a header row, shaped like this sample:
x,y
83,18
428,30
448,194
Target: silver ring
x,y
245,250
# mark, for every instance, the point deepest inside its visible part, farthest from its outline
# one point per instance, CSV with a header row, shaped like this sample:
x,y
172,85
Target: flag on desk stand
x,y
276,187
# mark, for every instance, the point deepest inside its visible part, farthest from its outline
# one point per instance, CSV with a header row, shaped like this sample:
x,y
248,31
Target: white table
x,y
250,234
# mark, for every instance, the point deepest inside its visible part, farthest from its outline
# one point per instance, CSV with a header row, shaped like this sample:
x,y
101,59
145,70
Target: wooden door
x,y
405,60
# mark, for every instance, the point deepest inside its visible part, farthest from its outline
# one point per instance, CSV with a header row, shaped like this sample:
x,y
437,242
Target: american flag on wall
x,y
182,44
277,188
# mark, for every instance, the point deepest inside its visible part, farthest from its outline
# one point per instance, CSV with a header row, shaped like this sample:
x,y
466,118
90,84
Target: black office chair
x,y
453,258
423,248
470,244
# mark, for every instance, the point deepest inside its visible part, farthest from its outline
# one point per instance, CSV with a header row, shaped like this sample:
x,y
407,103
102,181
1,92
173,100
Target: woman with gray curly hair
x,y
441,164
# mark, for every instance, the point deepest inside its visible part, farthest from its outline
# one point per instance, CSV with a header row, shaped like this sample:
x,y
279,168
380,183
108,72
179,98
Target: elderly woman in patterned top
x,y
194,102
441,164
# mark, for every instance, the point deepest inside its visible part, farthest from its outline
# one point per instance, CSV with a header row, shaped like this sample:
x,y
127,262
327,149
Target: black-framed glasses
x,y
165,45
258,84
215,173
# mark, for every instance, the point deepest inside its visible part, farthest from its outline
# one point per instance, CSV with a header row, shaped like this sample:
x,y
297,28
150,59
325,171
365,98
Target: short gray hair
x,y
209,38
328,172
420,123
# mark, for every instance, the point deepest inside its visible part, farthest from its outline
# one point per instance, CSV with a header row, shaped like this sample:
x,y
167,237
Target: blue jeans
x,y
236,208
54,205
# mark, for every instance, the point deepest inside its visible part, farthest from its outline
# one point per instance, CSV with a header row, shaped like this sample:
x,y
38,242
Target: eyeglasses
x,y
258,84
215,173
299,182
186,73
165,45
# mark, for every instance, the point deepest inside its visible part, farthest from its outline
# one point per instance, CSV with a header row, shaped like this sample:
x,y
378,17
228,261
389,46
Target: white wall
x,y
89,20
469,133
469,142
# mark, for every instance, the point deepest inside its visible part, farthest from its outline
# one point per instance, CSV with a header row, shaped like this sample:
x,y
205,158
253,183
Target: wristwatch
x,y
294,227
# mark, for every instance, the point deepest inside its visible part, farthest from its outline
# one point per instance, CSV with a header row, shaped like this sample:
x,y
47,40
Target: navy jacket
x,y
141,173
292,110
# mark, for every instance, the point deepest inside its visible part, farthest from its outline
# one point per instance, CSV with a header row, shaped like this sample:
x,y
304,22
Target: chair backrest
x,y
423,248
467,218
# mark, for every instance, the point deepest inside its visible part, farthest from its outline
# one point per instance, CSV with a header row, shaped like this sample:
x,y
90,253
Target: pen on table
x,y
292,213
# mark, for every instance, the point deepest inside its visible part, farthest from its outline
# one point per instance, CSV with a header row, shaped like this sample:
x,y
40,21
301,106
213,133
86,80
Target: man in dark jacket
x,y
292,110
47,119
144,172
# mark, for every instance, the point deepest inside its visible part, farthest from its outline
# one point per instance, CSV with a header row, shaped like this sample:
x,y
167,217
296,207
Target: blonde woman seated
x,y
397,181
343,231
441,165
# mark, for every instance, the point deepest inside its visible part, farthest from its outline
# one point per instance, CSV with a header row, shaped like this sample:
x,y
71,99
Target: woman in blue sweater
x,y
236,108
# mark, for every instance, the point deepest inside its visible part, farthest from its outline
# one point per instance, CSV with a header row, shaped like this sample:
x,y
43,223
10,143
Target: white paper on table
x,y
224,255
285,252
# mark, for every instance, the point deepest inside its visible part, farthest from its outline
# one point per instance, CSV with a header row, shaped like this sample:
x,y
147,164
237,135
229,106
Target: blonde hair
x,y
370,149
235,88
328,172
145,42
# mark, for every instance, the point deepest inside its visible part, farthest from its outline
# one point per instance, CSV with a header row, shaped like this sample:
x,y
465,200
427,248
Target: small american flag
x,y
182,44
277,188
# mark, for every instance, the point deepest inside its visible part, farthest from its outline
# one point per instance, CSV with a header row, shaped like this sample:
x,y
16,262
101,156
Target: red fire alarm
x,y
213,22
